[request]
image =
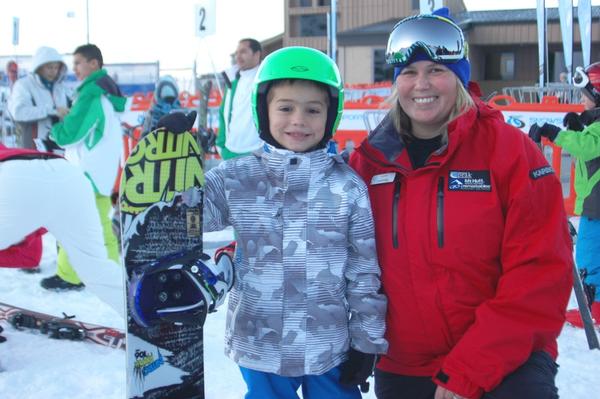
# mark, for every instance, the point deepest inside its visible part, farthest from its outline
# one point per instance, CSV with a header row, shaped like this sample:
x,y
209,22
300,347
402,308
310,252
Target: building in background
x,y
503,43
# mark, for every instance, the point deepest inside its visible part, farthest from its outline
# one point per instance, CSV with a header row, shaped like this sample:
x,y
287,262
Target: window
x,y
324,2
507,66
500,66
313,25
381,70
301,3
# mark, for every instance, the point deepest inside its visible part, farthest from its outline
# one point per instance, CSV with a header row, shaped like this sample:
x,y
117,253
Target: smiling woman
x,y
457,194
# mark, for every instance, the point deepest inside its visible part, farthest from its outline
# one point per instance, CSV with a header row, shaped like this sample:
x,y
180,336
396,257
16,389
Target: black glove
x,y
357,368
534,133
590,116
572,122
546,130
177,122
2,339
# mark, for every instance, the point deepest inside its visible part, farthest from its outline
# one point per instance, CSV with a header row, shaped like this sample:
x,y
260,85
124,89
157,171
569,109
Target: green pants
x,y
65,270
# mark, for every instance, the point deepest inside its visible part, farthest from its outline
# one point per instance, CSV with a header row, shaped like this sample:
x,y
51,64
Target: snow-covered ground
x,y
34,366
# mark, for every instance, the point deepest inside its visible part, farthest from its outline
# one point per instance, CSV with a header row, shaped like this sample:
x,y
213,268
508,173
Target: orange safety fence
x,y
547,108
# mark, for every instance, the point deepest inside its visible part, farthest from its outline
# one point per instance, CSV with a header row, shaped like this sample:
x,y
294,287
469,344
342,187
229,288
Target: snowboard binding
x,y
54,328
179,288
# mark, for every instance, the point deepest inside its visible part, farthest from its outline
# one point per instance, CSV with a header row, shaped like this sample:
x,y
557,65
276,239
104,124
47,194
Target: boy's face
x,y
587,102
297,115
49,71
84,67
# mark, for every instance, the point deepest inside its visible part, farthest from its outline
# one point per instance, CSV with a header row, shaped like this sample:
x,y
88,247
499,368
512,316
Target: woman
x,y
471,233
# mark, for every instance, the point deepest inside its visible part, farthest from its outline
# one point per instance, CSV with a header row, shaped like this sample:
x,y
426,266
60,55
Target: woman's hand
x,y
443,393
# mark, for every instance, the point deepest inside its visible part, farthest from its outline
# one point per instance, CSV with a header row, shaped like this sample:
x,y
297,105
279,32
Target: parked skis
x,y
66,327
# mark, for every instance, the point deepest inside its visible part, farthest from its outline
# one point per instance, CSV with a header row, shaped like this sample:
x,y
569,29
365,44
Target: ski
x,y
582,302
66,327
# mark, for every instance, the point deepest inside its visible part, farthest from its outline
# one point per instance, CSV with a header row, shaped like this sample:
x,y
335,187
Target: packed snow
x,y
35,366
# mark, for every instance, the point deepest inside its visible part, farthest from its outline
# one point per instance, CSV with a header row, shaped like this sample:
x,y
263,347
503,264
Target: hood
x,y
166,87
44,55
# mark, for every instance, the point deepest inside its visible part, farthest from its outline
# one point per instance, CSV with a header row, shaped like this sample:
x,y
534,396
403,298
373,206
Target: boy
x,y
582,140
92,137
306,294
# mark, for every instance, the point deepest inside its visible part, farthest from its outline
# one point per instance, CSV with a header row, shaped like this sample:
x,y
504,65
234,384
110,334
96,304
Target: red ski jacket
x,y
28,252
474,249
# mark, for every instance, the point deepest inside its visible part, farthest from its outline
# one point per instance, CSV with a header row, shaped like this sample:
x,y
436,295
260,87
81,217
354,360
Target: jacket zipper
x,y
440,213
395,202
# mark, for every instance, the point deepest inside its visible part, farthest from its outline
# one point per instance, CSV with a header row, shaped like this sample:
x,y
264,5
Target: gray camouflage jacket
x,y
306,272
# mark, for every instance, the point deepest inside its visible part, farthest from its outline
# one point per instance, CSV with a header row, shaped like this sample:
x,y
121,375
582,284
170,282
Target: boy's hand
x,y
177,122
228,250
443,393
61,112
572,122
546,130
357,368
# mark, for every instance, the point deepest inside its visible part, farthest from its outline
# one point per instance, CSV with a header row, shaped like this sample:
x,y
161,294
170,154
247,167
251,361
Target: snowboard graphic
x,y
65,327
161,215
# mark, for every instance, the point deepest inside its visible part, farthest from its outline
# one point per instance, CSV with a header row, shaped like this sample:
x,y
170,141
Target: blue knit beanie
x,y
461,68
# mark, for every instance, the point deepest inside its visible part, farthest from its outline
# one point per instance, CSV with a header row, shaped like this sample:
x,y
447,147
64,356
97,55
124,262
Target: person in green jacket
x,y
91,135
237,134
582,140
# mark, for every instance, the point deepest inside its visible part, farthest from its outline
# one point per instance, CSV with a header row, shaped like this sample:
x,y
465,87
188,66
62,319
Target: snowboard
x,y
65,327
161,195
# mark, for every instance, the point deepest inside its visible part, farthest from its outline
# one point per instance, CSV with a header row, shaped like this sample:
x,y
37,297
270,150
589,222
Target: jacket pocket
x,y
440,212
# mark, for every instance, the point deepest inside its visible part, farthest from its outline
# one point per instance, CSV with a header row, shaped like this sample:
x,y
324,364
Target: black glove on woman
x,y
357,368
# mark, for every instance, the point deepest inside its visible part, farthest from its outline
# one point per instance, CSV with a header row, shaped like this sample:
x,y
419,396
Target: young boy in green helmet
x,y
305,309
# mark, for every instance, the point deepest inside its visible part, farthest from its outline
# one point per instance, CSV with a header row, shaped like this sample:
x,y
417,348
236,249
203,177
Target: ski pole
x,y
582,303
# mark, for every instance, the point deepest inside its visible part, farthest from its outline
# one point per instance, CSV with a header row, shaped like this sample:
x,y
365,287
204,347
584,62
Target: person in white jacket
x,y
39,100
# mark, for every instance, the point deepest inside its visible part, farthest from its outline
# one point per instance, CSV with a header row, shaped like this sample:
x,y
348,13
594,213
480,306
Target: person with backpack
x,y
93,140
581,139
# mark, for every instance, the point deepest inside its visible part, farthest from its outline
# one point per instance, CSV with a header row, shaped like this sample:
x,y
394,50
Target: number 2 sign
x,y
205,18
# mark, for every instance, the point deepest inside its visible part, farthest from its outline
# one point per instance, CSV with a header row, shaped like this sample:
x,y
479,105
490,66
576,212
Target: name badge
x,y
469,180
383,178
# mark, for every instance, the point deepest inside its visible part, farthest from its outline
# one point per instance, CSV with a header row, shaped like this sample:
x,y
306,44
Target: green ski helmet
x,y
297,63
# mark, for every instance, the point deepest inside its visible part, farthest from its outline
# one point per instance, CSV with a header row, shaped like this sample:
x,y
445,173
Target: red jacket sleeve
x,y
527,312
26,254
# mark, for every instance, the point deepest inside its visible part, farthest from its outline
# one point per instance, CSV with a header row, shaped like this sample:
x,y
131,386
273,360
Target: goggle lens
x,y
439,37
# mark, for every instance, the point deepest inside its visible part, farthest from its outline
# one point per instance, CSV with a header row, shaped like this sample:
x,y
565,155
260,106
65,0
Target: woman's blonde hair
x,y
402,122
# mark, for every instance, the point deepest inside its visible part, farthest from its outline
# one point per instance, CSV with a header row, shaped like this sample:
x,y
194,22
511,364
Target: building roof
x,y
379,32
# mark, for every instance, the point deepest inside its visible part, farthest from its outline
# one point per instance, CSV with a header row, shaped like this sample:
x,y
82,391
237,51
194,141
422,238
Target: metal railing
x,y
565,93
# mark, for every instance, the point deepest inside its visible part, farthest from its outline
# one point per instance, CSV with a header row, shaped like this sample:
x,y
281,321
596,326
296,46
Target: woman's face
x,y
427,92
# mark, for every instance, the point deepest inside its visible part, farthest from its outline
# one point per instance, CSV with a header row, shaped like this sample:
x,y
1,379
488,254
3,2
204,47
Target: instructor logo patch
x,y
541,172
469,180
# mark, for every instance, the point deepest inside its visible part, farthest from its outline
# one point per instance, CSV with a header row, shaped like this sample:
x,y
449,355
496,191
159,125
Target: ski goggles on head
x,y
582,81
580,78
440,38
